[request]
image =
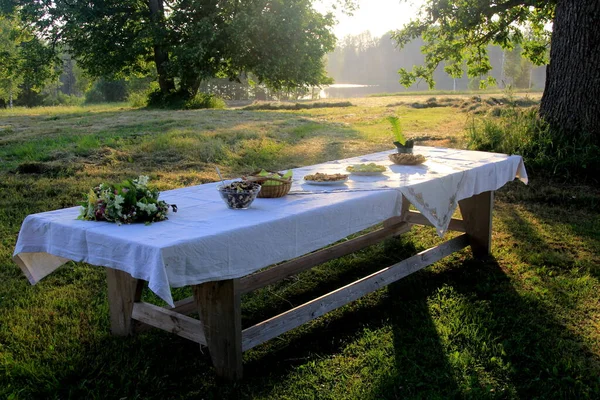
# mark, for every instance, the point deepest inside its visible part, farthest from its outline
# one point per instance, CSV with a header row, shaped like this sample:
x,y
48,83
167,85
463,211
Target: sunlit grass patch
x,y
523,324
297,106
58,111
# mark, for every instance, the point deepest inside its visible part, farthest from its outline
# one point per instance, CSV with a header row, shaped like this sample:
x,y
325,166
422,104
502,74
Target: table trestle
x,y
219,306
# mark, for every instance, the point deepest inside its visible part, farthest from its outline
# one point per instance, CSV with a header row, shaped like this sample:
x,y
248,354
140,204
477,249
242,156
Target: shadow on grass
x,y
421,365
464,332
460,329
559,237
543,358
474,330
421,368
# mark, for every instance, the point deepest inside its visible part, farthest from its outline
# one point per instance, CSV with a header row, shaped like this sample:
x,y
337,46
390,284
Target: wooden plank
x,y
169,321
297,265
417,218
295,317
185,306
123,291
219,307
477,216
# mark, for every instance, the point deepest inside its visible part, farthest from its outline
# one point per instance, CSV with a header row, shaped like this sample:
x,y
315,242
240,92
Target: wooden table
x,y
218,302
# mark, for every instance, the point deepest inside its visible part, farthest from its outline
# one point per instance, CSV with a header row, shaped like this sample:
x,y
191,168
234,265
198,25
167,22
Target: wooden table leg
x,y
403,214
219,307
477,215
123,291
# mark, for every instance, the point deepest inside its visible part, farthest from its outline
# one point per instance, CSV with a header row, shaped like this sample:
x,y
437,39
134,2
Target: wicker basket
x,y
270,191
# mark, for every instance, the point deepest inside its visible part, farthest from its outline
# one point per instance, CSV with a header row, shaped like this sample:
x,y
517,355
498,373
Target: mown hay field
x,y
523,324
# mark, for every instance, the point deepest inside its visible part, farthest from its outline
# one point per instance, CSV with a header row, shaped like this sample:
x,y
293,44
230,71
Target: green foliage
x,y
523,132
105,90
459,31
94,96
138,90
138,99
61,99
127,202
291,36
517,69
521,325
26,62
282,43
10,59
179,100
397,129
204,100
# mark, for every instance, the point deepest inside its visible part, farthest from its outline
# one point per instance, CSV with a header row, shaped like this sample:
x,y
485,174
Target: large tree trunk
x,y
189,85
571,100
161,55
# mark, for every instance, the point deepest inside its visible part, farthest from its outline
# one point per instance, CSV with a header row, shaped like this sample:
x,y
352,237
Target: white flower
x,y
119,200
148,208
143,180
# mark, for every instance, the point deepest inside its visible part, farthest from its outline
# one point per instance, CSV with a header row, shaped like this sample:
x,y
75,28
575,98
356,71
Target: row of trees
x,y
457,33
363,59
32,74
27,63
185,42
356,59
282,43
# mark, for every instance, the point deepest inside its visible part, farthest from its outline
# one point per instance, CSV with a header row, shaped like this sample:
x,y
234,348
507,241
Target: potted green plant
x,y
403,145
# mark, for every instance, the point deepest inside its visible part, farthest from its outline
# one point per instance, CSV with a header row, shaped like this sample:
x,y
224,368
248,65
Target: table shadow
x,y
401,307
541,351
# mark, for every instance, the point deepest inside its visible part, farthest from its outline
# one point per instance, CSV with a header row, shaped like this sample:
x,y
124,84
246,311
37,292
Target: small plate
x,y
367,173
327,183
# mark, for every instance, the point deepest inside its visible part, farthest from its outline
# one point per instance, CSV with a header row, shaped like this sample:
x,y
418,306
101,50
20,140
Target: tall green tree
x,y
460,30
26,62
10,60
281,42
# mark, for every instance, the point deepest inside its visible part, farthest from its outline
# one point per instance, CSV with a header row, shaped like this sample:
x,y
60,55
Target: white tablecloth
x,y
206,241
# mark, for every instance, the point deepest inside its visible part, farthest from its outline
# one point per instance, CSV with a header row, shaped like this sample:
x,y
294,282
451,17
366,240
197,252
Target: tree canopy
x,y
182,42
26,64
458,31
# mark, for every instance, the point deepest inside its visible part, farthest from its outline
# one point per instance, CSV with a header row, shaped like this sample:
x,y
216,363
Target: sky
x,y
376,16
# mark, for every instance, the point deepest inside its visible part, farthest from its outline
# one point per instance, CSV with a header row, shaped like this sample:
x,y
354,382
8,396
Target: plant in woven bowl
x,y
403,145
130,201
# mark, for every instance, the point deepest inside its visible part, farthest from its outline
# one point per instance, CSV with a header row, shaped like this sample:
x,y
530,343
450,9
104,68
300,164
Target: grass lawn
x,y
524,324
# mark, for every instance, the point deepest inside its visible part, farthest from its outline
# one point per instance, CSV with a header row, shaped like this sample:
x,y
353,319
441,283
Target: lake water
x,y
347,90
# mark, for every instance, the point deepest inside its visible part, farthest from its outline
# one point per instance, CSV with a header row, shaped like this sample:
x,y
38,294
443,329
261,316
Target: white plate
x,y
326,183
367,173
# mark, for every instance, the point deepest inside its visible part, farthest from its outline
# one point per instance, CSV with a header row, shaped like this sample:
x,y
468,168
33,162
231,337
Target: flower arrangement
x,y
130,201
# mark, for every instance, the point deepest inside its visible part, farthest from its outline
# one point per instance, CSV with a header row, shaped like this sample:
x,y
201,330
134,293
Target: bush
x,y
179,100
138,99
105,90
523,132
94,95
61,99
204,100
